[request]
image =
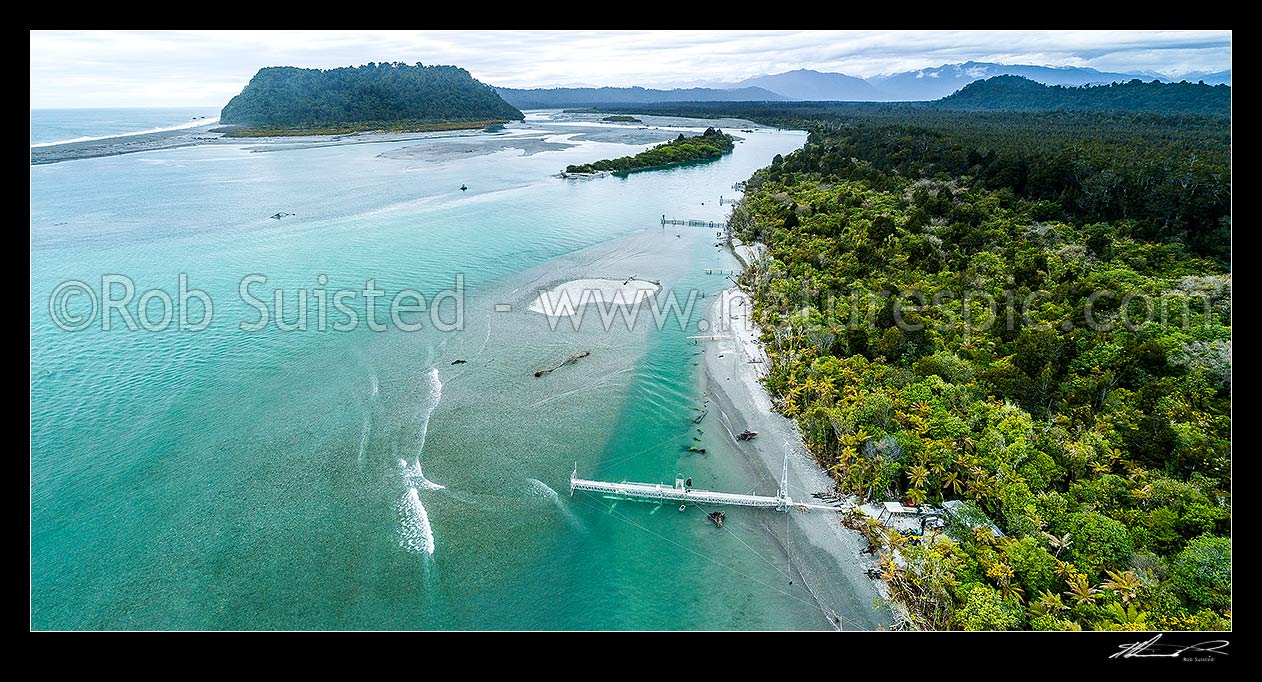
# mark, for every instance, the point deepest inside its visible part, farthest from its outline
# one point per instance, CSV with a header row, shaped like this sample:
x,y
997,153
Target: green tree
x,y
1034,567
1202,571
985,609
1126,584
1098,542
293,98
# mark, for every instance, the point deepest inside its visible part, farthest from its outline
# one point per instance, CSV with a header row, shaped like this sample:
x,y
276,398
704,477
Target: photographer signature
x,y
1151,649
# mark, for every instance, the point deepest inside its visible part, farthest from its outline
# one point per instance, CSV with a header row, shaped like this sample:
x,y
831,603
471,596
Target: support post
x,y
785,500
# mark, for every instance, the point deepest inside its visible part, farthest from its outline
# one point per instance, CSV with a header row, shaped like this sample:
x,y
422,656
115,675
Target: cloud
x,y
169,68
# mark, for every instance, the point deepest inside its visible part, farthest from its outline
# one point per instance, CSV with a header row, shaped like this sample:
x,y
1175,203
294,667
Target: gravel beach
x,y
825,554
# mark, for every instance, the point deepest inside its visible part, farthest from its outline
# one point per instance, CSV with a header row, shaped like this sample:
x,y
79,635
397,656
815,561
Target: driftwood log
x,y
568,361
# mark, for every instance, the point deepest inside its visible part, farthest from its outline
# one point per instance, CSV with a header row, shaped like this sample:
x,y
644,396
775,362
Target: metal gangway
x,y
714,224
679,492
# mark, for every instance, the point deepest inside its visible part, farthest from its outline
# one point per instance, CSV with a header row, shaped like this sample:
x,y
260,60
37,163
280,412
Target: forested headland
x,y
710,145
1015,93
1026,311
393,97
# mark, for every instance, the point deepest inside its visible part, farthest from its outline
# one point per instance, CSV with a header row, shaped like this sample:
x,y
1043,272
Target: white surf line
x,y
435,396
412,474
97,138
415,532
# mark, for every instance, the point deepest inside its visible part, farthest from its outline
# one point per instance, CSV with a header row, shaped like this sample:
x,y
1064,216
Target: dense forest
x,y
1014,93
1000,93
384,94
1164,178
711,144
1027,312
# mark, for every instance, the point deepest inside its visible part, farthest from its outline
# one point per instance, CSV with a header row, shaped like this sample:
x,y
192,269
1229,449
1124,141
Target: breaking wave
x,y
413,476
435,386
415,533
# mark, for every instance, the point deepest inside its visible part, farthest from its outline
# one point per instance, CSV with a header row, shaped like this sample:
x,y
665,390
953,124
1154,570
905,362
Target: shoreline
x,y
234,131
124,144
217,133
831,561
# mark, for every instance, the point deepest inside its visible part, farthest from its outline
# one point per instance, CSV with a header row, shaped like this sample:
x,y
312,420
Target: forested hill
x,y
966,308
1015,93
585,97
289,97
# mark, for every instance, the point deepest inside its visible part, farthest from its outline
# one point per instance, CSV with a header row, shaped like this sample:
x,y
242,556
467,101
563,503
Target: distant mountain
x,y
585,97
930,84
805,84
286,97
808,85
1214,78
1015,93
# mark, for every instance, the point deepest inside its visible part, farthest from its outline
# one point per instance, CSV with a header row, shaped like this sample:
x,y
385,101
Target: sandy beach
x,y
125,144
826,555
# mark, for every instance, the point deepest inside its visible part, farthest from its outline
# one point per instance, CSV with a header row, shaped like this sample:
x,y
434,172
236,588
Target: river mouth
x,y
397,479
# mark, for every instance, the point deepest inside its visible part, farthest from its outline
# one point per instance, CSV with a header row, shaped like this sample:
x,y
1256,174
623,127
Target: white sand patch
x,y
569,298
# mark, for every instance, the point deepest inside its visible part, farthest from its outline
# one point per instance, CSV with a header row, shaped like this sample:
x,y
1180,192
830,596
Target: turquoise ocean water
x,y
224,478
51,126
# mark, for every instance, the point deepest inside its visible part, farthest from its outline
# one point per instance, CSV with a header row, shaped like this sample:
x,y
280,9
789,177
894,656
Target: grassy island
x,y
621,118
710,145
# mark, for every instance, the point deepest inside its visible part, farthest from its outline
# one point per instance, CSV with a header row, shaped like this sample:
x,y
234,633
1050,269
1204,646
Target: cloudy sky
x,y
175,68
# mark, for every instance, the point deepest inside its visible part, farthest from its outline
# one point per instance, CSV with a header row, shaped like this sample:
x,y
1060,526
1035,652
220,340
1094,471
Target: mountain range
x,y
941,81
1210,78
548,98
808,85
